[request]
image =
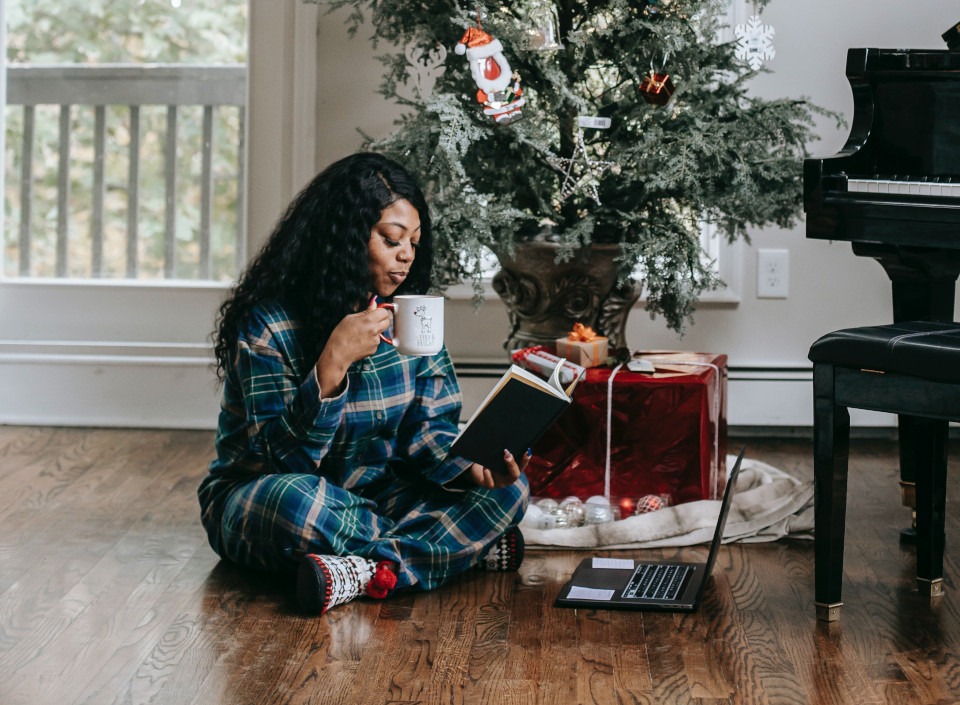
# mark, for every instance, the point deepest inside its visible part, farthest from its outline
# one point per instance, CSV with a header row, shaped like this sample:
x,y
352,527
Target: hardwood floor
x,y
109,594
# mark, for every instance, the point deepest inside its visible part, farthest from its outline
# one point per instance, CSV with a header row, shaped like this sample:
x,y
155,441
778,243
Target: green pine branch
x,y
714,152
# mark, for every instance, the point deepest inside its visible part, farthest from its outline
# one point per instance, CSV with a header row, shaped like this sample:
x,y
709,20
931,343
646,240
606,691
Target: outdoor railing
x,y
132,171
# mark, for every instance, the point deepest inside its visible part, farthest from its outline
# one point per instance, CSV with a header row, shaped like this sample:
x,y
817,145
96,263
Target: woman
x,y
331,450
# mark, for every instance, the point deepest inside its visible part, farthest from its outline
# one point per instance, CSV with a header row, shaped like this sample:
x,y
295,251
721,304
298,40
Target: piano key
x,y
915,186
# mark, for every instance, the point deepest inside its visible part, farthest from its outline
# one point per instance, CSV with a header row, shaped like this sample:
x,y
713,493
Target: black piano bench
x,y
911,369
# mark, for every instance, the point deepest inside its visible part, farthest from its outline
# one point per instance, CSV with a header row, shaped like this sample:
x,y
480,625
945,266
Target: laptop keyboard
x,y
655,581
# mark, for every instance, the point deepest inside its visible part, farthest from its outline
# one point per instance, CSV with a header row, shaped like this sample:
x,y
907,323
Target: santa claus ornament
x,y
499,91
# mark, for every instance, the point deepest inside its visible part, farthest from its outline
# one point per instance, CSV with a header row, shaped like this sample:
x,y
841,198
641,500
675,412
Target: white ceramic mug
x,y
417,324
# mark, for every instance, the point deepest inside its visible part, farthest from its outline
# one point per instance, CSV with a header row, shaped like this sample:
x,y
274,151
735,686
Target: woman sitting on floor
x,y
332,447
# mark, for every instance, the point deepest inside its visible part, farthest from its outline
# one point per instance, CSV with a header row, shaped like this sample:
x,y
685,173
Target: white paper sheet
x,y
582,593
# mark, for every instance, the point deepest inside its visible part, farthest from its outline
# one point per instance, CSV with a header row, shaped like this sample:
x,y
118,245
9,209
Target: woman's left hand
x,y
485,477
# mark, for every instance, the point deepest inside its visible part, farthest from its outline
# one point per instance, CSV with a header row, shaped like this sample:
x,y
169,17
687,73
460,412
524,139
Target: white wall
x,y
766,339
113,355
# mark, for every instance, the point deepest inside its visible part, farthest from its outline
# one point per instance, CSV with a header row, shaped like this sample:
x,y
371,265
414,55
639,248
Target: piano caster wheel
x,y
908,536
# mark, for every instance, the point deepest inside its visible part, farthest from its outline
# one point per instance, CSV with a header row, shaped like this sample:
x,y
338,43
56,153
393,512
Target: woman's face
x,y
393,246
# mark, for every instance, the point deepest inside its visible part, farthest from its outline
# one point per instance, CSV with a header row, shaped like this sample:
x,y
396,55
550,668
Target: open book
x,y
516,412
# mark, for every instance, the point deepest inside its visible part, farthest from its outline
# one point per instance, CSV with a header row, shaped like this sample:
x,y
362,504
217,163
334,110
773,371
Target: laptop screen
x,y
724,511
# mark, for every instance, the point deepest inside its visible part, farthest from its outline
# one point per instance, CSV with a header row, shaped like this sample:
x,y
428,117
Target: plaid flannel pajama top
x,y
364,473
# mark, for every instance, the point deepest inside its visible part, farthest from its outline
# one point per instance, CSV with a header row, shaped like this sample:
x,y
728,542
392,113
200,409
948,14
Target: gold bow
x,y
581,333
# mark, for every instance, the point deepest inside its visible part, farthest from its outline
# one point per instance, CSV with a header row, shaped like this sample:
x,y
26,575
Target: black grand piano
x,y
893,191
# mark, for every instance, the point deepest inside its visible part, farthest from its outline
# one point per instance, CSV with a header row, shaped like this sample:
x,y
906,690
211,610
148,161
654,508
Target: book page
x,y
551,386
521,375
554,380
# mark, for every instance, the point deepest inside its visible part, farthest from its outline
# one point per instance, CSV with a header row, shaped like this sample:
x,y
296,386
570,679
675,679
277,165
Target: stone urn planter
x,y
545,298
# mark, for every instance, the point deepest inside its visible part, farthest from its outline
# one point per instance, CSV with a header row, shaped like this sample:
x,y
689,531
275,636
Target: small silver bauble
x,y
598,513
546,521
561,519
547,504
557,519
574,510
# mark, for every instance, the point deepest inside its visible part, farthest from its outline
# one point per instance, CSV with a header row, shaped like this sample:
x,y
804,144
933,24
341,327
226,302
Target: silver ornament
x,y
574,510
547,504
597,513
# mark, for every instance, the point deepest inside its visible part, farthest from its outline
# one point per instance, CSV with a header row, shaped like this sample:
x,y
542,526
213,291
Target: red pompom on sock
x,y
383,581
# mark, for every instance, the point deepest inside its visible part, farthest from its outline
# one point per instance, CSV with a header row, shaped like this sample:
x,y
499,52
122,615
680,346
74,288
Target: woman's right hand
x,y
355,337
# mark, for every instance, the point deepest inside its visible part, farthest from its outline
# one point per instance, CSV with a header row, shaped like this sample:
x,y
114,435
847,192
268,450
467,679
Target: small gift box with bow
x,y
582,346
657,88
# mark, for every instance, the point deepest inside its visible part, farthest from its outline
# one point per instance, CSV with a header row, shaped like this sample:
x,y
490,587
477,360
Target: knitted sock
x,y
506,554
327,581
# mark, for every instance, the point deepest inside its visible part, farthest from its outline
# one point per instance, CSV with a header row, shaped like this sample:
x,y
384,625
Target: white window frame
x,y
136,353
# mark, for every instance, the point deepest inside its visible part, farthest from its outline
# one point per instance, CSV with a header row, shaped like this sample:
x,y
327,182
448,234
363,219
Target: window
x,y
124,140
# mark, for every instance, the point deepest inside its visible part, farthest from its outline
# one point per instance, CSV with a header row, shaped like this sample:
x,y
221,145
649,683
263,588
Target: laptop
x,y
628,584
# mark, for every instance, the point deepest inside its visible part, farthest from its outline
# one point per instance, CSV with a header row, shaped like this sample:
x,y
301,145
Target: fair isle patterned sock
x,y
327,581
506,554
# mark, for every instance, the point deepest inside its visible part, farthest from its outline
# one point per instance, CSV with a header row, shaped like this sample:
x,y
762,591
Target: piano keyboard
x,y
943,188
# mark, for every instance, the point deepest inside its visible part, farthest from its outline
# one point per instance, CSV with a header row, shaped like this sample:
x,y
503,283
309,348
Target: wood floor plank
x,y
109,594
559,671
128,649
732,589
109,600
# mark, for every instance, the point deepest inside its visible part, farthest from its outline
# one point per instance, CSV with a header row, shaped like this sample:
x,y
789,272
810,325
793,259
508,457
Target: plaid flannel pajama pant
x,y
432,534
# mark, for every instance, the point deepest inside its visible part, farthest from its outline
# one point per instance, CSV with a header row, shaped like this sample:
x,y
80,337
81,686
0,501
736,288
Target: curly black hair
x,y
315,261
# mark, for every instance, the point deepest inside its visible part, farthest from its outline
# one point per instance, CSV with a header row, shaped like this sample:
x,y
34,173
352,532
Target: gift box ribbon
x,y
657,83
581,334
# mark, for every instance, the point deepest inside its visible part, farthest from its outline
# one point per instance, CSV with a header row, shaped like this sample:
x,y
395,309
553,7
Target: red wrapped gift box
x,y
668,433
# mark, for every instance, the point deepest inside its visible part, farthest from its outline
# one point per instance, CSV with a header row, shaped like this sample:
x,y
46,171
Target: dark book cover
x,y
515,414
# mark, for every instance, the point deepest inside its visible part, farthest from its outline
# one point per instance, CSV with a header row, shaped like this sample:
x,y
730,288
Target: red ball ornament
x,y
657,88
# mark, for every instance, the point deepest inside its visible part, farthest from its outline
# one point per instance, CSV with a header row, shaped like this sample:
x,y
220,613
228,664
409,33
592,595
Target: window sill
x,y
137,284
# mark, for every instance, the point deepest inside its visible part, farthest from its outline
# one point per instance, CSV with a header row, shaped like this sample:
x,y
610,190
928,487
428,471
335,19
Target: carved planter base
x,y
545,298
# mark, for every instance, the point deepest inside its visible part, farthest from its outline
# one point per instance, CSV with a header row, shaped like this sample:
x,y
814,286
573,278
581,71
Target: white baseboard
x,y
173,386
773,398
107,385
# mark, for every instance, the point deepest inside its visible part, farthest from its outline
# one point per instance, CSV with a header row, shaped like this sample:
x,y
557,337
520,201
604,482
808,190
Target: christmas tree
x,y
623,121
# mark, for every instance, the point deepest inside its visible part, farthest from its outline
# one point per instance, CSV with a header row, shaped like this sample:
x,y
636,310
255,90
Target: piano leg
x,y
831,449
907,433
916,298
931,453
924,289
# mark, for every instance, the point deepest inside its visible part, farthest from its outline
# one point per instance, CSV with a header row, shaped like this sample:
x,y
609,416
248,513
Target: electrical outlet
x,y
773,274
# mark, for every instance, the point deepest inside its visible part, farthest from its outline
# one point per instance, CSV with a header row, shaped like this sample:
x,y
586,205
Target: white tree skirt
x,y
768,504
